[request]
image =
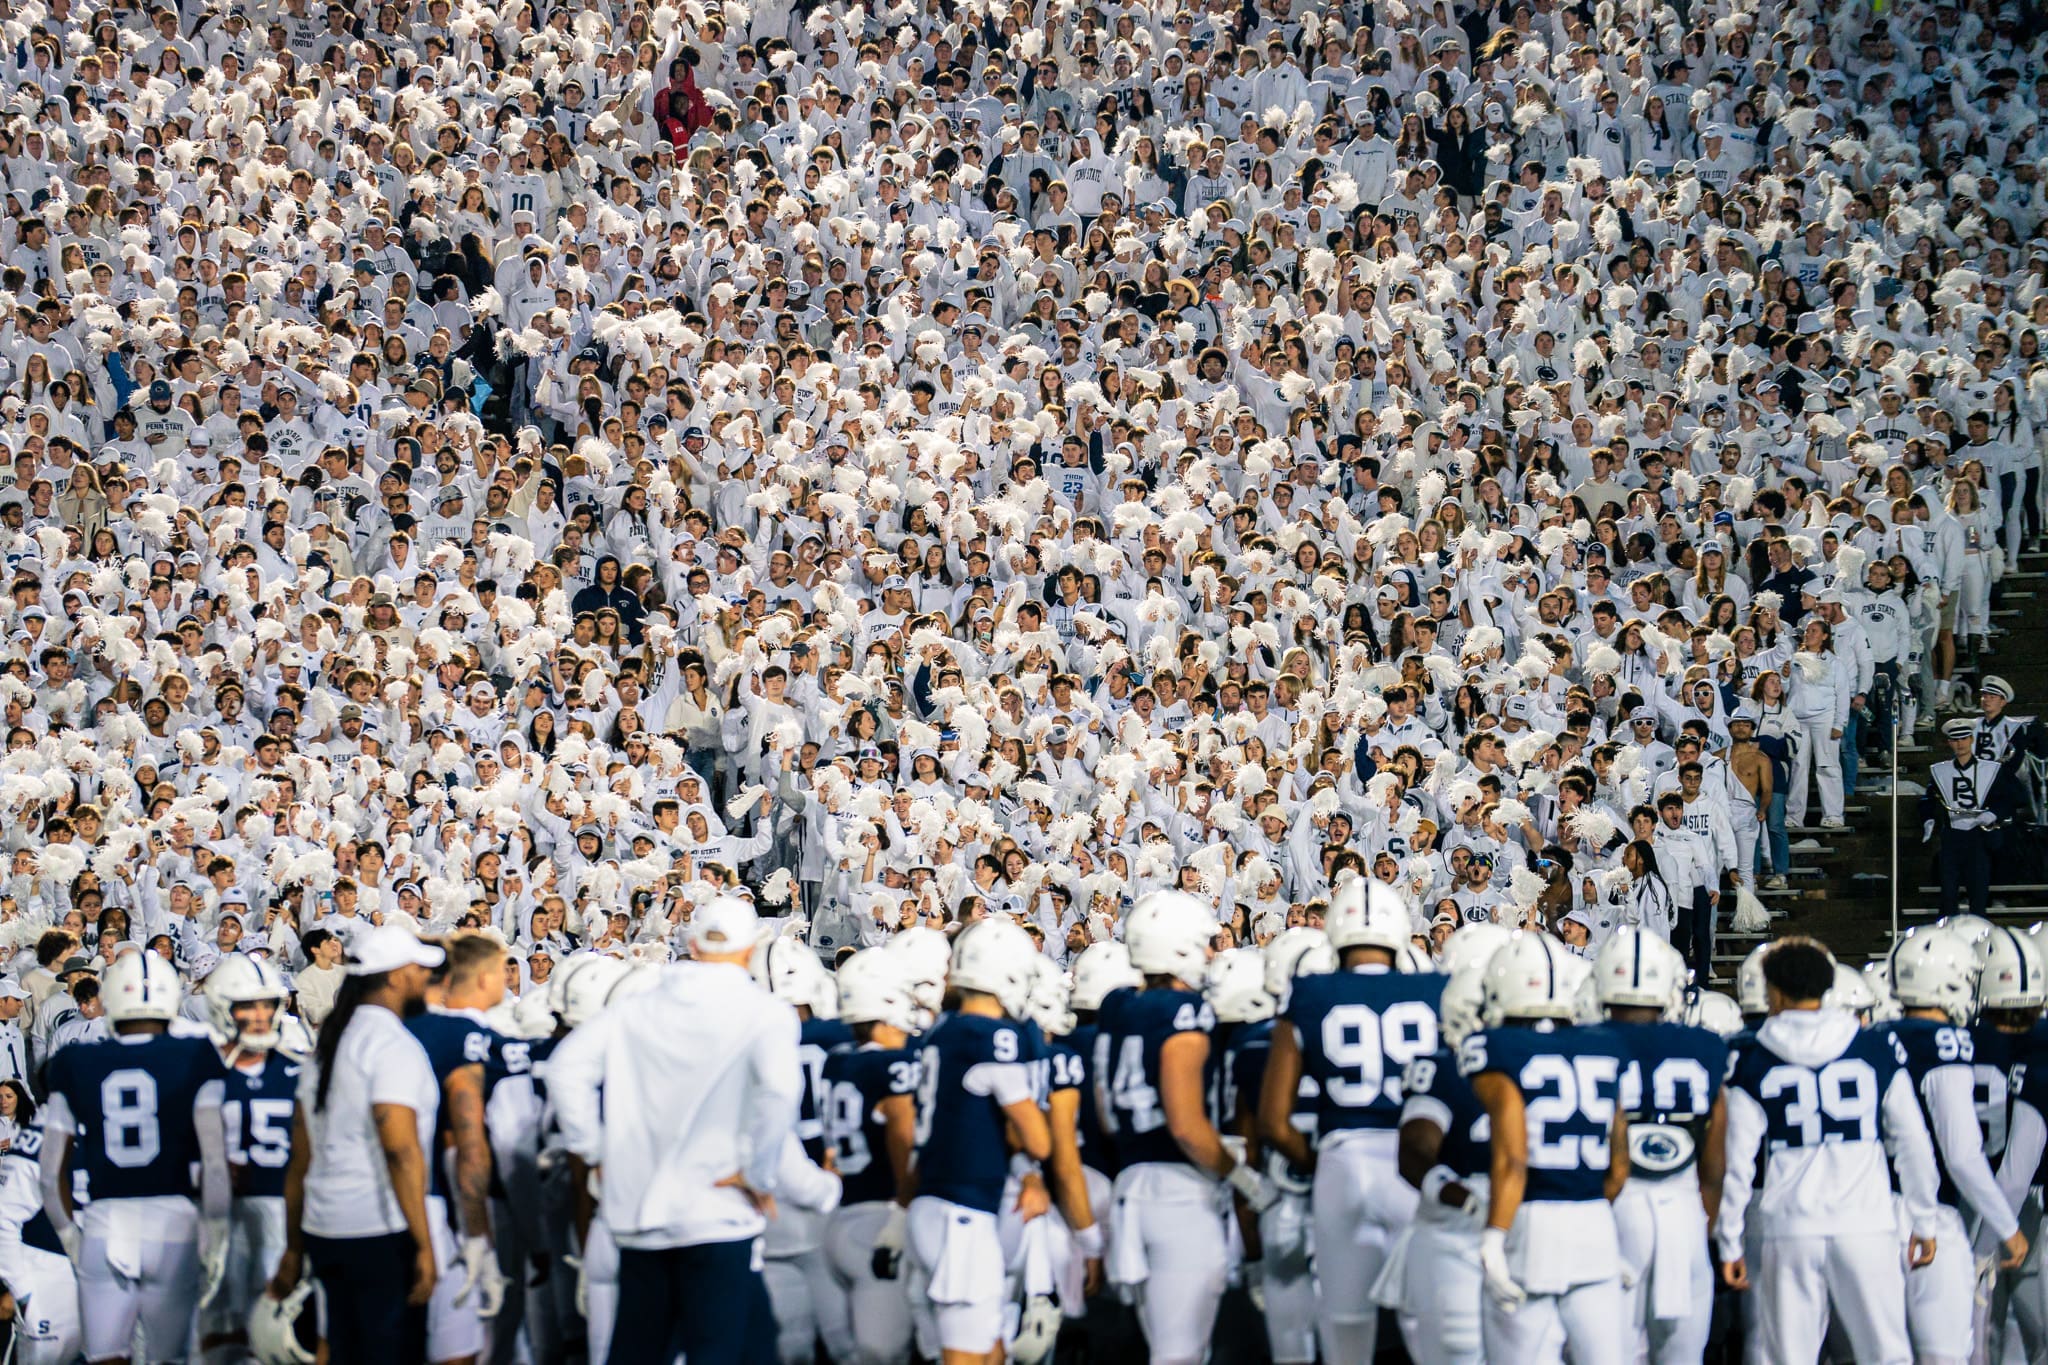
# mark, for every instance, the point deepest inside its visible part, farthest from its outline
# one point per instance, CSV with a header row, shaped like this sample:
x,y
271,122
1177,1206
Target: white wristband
x,y
1088,1241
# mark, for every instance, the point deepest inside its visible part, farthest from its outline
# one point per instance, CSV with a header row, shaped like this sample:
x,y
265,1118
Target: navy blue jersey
x,y
1238,1070
452,1041
1358,1030
1570,1079
1097,1148
1055,1066
857,1080
132,1099
1998,1070
2027,1075
1131,1028
26,1154
1840,1100
1674,1076
814,1043
963,1153
1437,1092
257,1109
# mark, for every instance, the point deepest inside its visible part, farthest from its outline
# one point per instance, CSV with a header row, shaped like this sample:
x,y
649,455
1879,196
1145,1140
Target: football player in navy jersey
x,y
1821,1102
807,1300
459,1046
871,1122
1933,973
1549,1255
33,1265
136,1113
1071,1242
1677,1124
245,1000
1152,1053
1352,1032
1285,1272
975,1107
1100,969
1239,992
1444,1155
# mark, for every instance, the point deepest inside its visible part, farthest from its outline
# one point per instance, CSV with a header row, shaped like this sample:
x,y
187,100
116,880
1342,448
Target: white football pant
x,y
878,1310
1588,1319
1170,1246
1360,1203
1797,1284
807,1301
140,1264
1662,1231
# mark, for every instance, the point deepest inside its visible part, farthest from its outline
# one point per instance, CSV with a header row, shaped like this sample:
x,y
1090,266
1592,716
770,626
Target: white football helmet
x,y
2012,976
997,958
1300,951
1474,946
1935,969
141,986
1169,933
587,981
874,988
1974,930
1100,969
1463,1001
1714,1011
279,1329
1367,913
1749,982
790,970
1412,960
532,1017
1236,989
244,980
1047,1006
1637,968
1850,992
926,955
1878,972
1533,976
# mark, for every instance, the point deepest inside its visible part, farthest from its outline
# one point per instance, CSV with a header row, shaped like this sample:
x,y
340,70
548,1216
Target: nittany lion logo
x,y
1657,1149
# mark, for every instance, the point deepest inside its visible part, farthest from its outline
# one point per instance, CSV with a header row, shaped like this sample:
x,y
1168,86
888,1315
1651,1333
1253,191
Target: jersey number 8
x,y
128,1106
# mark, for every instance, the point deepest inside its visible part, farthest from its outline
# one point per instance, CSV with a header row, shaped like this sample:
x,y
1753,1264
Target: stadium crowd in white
x,y
605,480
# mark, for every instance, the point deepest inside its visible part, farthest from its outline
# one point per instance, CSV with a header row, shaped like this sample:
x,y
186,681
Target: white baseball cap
x,y
725,924
388,947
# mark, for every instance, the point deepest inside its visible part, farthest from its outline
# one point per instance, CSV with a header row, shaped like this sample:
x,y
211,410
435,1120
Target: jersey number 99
x,y
1364,1045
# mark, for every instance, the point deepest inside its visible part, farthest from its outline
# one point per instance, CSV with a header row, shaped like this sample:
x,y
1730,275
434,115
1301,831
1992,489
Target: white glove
x,y
1252,1187
1493,1262
213,1257
888,1255
481,1276
575,1263
1254,1274
1926,831
74,1244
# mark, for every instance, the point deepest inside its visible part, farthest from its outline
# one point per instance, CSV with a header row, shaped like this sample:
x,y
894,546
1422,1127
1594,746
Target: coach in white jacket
x,y
700,1083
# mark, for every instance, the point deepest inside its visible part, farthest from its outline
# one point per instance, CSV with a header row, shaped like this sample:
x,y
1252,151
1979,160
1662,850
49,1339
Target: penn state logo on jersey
x,y
1674,1077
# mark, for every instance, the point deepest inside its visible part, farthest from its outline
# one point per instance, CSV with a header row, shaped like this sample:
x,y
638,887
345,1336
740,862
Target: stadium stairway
x,y
1840,886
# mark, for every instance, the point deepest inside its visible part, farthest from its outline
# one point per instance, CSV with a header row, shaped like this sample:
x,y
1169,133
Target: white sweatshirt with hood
x,y
1838,1187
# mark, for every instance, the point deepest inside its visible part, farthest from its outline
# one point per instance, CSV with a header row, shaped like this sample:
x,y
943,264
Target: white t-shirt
x,y
348,1188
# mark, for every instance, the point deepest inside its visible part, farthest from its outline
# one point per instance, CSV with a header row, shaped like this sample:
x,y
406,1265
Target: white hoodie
x,y
1831,1184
